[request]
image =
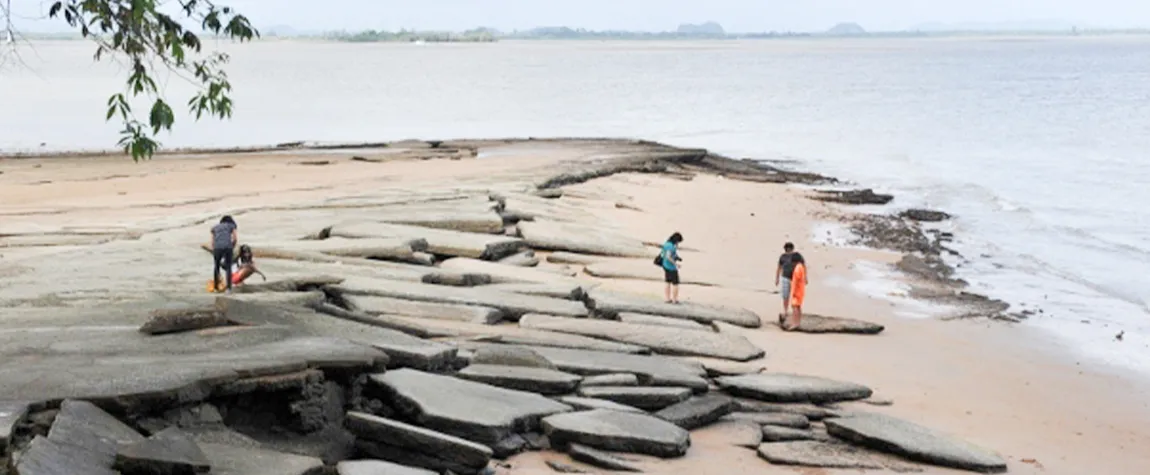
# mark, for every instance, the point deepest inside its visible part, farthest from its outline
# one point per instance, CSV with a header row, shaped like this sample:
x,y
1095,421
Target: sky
x,y
654,15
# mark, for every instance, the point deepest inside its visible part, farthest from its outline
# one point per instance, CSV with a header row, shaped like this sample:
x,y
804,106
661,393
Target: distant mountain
x,y
846,29
709,28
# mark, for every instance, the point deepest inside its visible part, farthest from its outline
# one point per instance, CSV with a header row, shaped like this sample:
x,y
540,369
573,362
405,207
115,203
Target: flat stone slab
x,y
513,304
717,367
698,411
619,379
414,308
467,409
11,414
566,341
810,411
116,365
439,241
599,458
509,355
557,290
590,403
535,380
401,348
230,460
611,304
651,370
523,259
782,419
782,387
552,236
506,274
82,424
785,434
812,323
418,439
46,457
562,257
644,319
168,451
179,320
914,442
397,249
666,340
648,398
378,467
637,270
619,432
819,454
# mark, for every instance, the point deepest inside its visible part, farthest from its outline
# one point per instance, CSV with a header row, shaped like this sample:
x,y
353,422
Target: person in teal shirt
x,y
671,264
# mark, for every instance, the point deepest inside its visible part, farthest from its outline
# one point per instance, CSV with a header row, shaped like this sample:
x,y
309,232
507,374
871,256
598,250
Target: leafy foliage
x,y
149,39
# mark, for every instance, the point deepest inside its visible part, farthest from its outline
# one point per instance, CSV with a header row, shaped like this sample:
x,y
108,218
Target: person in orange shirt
x,y
798,292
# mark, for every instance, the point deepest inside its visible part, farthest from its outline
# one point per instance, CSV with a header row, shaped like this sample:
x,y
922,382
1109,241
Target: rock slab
x,y
453,450
651,370
914,442
698,411
618,379
47,457
599,458
590,403
231,460
413,308
666,340
168,451
819,454
812,323
466,409
509,355
611,304
781,419
618,431
535,380
783,387
11,414
377,467
785,434
649,398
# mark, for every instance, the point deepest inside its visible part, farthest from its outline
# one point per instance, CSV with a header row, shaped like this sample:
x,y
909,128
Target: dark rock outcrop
x,y
853,197
924,215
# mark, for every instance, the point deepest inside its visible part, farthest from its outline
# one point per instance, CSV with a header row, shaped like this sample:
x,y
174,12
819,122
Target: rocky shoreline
x,y
422,330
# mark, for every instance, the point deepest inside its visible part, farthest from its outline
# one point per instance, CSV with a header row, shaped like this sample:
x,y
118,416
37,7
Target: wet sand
x,y
1003,387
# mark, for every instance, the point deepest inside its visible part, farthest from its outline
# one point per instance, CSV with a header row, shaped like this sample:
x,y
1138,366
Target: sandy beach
x,y
81,233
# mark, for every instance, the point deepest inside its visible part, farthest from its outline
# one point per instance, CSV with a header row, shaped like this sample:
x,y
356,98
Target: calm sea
x,y
1039,146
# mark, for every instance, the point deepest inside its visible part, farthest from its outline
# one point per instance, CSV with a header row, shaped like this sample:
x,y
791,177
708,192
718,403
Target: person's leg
x,y
242,275
798,312
228,257
786,294
217,257
676,294
675,286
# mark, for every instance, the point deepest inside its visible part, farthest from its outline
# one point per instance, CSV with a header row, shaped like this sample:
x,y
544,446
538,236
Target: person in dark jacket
x,y
224,238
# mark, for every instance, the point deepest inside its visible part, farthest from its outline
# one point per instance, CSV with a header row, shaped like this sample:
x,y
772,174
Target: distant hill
x,y
846,29
709,28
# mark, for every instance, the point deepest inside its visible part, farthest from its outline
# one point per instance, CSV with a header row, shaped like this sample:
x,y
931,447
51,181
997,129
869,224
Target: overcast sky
x,y
658,15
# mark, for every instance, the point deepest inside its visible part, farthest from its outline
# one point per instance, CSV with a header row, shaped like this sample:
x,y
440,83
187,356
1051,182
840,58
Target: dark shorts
x,y
671,276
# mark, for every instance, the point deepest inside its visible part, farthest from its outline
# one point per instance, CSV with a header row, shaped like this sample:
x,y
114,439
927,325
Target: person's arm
x,y
235,238
778,272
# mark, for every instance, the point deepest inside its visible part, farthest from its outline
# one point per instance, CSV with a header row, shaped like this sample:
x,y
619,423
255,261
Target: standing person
x,y
786,270
669,257
798,291
223,250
